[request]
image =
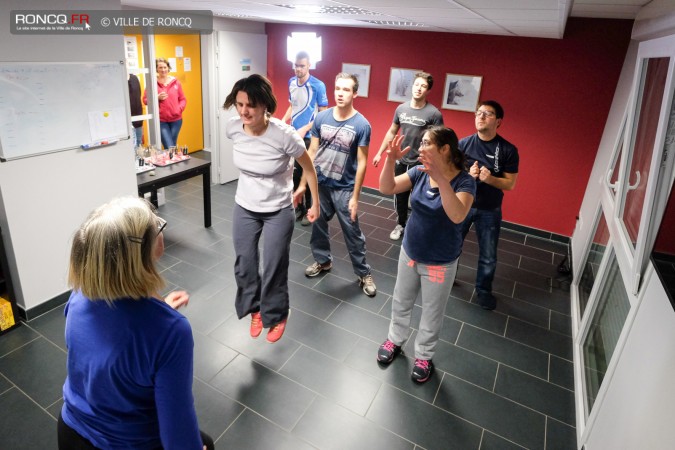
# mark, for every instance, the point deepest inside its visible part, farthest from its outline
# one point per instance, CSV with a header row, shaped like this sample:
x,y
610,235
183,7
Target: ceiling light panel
x,y
332,10
396,23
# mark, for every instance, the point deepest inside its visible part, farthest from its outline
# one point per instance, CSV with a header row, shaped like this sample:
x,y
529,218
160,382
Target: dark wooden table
x,y
168,175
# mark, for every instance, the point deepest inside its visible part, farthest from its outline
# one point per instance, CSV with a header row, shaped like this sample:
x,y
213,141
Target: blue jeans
x,y
138,137
336,202
487,223
169,131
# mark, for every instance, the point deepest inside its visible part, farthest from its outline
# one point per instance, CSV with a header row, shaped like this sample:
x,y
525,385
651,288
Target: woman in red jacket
x,y
172,102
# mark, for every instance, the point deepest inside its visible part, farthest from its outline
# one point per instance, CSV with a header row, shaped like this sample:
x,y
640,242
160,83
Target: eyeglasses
x,y
488,114
161,224
425,143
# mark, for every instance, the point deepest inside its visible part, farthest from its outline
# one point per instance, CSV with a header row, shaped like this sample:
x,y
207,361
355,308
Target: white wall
x,y
210,102
241,26
43,199
638,407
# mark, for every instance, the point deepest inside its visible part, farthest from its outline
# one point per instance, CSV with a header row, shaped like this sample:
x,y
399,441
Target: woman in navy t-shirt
x,y
442,194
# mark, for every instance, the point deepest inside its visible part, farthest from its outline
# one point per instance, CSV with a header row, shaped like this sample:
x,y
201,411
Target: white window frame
x,y
633,258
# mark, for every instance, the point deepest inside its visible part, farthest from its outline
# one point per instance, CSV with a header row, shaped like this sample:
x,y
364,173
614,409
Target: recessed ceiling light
x,y
334,10
392,23
234,16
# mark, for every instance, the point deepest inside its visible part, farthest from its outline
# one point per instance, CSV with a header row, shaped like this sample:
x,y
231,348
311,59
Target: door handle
x,y
632,187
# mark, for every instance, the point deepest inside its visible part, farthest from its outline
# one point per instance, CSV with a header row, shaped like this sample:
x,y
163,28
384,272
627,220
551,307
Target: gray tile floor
x,y
504,379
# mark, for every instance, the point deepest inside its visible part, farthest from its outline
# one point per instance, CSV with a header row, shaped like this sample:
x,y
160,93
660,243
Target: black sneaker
x,y
387,352
422,370
487,301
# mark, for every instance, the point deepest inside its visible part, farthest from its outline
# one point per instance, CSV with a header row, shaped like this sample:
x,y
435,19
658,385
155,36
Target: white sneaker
x,y
368,285
396,234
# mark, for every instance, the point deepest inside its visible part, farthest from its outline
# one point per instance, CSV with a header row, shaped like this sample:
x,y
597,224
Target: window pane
x,y
645,136
595,254
604,330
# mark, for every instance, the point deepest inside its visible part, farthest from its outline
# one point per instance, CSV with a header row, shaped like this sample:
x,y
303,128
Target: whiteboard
x,y
49,107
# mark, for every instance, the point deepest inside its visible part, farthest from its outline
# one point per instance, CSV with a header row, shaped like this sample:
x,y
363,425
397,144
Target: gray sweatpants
x,y
435,283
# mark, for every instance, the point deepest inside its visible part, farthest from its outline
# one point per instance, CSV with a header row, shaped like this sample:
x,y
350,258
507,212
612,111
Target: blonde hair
x,y
162,60
112,252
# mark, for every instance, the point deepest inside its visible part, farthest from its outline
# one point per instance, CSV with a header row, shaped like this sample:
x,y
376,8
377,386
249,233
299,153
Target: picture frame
x,y
461,92
400,84
362,72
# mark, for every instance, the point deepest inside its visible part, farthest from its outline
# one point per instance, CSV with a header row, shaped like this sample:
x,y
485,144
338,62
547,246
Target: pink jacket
x,y
172,108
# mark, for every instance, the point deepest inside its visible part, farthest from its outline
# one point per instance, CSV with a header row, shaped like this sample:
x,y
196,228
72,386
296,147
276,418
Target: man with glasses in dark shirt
x,y
493,163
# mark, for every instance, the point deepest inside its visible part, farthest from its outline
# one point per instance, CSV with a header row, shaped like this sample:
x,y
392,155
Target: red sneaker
x,y
277,331
256,324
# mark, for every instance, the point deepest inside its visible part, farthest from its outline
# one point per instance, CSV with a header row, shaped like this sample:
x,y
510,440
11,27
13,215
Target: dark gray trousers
x,y
266,292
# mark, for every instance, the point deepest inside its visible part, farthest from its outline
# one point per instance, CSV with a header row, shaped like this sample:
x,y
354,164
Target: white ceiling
x,y
531,18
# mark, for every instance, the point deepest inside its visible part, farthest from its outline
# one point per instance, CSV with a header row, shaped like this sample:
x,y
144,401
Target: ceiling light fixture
x,y
308,42
391,23
332,10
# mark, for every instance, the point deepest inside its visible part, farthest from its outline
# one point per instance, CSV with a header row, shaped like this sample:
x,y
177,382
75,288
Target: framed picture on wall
x,y
461,92
362,72
400,84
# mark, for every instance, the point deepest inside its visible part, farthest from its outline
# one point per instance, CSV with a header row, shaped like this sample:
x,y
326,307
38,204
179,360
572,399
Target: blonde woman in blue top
x,y
442,194
130,352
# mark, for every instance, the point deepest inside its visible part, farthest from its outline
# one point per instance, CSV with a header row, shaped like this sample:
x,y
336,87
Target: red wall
x,y
556,95
664,239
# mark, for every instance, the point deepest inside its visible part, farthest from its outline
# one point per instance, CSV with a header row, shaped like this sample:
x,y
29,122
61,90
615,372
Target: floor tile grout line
x,y
463,419
15,386
461,328
24,344
510,400
514,341
501,396
215,441
494,383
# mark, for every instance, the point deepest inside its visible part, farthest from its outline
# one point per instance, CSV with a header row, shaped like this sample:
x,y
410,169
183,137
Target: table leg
x,y
153,198
206,178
